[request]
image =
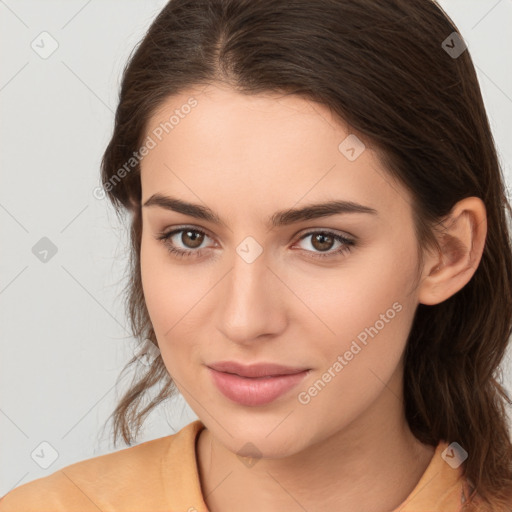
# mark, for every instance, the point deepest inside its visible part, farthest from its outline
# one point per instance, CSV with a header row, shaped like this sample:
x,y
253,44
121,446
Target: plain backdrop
x,y
63,252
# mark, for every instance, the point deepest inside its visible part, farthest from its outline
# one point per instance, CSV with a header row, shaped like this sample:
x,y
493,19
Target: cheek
x,y
154,284
368,309
165,290
359,367
174,298
368,296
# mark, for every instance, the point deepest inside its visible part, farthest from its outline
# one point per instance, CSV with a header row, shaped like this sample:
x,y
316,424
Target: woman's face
x,y
289,292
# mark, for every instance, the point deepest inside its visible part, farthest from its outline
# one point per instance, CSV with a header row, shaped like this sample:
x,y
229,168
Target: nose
x,y
251,302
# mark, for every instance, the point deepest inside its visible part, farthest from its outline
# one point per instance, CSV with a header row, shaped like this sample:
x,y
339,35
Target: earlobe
x,y
462,241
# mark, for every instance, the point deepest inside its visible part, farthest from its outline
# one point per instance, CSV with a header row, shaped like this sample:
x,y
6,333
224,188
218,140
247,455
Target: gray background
x,y
63,336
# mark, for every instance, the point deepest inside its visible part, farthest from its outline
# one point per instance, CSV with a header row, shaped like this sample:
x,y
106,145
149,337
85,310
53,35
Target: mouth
x,y
255,385
255,370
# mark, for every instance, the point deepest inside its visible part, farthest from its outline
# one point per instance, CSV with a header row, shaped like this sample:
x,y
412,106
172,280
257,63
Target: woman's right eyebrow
x,y
279,218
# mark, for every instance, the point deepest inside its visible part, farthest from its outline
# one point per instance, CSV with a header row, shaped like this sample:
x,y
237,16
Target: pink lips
x,y
257,384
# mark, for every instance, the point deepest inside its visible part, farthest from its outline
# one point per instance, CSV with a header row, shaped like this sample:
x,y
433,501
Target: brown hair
x,y
382,69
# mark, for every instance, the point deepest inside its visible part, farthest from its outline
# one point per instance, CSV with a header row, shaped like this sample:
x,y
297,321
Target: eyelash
x,y
190,253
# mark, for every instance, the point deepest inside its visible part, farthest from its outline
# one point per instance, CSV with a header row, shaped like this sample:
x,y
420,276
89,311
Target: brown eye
x,y
192,239
184,242
324,244
322,241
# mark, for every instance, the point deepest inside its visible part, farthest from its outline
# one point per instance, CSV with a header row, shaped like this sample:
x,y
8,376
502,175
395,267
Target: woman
x,y
320,252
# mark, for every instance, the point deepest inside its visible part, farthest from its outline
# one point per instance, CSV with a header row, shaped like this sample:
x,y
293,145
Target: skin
x,y
246,157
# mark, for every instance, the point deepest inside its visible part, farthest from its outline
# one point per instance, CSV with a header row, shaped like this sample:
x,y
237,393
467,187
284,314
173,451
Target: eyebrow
x,y
279,218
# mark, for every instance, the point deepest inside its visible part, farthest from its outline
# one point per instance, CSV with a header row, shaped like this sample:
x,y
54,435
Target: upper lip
x,y
254,370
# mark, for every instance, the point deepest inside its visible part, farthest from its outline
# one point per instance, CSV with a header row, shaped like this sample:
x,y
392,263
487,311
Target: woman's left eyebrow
x,y
279,218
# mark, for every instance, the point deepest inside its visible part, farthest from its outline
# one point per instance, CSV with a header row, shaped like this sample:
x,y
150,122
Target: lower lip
x,y
255,391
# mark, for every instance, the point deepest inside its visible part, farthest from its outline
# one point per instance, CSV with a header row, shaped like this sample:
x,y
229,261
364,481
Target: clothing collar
x,y
441,487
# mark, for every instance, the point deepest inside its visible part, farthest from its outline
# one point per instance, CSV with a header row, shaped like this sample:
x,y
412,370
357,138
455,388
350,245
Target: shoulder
x,y
120,480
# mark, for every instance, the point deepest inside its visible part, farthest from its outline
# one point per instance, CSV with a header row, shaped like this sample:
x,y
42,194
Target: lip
x,y
257,384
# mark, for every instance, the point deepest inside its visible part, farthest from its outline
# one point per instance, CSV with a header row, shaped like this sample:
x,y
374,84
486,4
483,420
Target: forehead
x,y
224,147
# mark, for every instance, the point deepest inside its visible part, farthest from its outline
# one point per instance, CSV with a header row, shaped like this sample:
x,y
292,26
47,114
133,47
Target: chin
x,y
267,437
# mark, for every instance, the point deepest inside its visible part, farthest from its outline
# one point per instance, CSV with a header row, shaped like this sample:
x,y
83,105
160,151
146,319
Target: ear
x,y
462,241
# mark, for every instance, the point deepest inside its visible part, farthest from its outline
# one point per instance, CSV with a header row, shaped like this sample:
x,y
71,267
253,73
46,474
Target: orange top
x,y
162,475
